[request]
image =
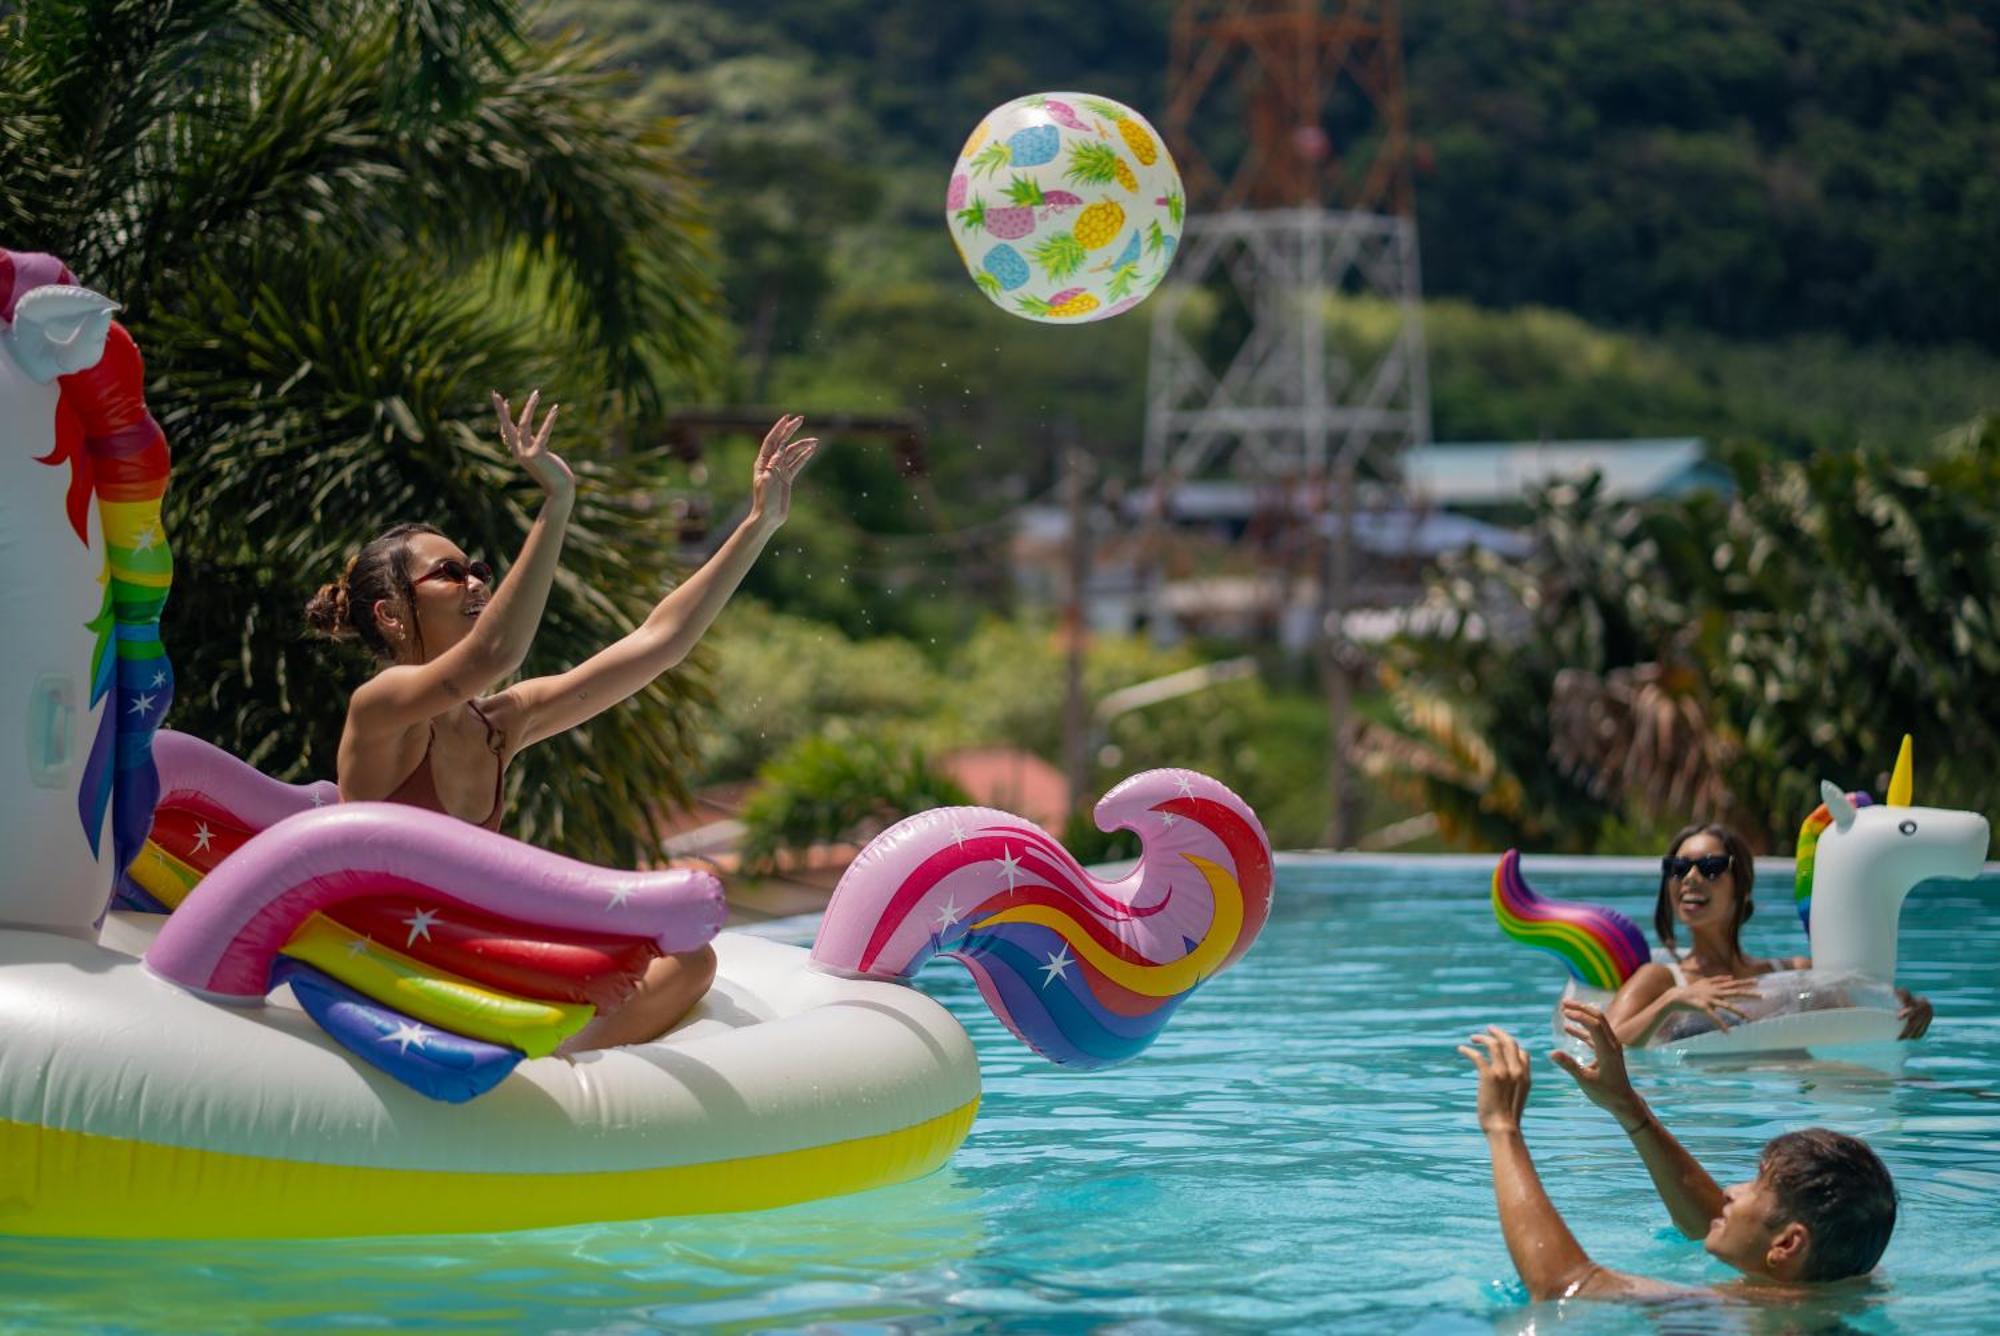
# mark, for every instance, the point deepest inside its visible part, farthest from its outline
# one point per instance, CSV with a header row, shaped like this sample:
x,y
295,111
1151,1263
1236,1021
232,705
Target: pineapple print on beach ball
x,y
1065,208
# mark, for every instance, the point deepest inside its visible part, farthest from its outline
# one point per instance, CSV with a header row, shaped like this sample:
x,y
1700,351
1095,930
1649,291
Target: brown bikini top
x,y
420,789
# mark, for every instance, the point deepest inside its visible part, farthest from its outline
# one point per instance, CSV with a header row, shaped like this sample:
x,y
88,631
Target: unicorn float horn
x,y
1857,863
1085,972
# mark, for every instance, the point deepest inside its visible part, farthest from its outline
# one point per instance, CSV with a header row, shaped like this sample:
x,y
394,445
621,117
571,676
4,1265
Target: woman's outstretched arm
x,y
399,697
1651,995
546,706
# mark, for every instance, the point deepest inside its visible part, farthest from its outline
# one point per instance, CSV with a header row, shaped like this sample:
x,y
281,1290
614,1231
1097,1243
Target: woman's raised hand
x,y
778,463
1711,995
529,444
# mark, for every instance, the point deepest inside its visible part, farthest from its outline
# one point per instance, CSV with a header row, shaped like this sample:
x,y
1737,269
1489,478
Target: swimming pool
x,y
1297,1150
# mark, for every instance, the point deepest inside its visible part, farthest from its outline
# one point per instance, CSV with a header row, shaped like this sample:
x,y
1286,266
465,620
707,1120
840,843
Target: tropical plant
x,y
1712,658
334,226
838,785
787,675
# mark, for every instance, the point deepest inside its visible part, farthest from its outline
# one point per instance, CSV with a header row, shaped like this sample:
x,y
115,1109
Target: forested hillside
x,y
1749,169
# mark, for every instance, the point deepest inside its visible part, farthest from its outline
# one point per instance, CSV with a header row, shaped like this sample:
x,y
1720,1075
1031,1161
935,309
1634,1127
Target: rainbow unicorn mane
x,y
1083,971
117,457
1600,947
1807,855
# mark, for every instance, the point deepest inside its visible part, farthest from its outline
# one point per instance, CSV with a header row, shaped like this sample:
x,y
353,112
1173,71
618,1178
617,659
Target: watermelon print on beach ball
x,y
1065,207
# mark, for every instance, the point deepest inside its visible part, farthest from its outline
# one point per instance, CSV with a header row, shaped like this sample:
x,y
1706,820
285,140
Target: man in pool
x,y
1820,1209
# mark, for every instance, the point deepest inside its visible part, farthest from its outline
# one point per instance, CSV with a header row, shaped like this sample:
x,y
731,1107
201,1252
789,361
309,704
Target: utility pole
x,y
1336,521
1289,123
1078,472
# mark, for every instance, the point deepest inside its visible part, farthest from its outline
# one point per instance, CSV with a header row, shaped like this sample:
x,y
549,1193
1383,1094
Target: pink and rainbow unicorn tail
x,y
1085,972
1600,947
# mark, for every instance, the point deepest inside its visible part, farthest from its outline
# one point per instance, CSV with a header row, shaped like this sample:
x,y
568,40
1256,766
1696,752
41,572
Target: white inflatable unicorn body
x,y
395,982
130,1106
55,879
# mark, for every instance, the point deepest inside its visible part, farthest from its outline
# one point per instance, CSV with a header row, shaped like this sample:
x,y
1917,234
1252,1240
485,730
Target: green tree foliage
x,y
998,393
1713,658
836,786
787,675
827,132
1535,373
335,225
1002,684
775,140
1747,169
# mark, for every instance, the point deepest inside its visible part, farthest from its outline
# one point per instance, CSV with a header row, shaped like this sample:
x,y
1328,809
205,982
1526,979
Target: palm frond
x,y
318,394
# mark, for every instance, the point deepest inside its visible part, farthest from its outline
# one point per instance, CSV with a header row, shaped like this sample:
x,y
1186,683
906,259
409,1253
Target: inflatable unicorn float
x,y
1857,862
235,1007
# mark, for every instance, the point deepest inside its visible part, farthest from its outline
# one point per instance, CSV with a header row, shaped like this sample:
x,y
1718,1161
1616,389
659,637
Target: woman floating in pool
x,y
423,729
1706,881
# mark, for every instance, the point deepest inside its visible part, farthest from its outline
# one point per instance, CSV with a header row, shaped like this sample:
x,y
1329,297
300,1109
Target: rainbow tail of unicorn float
x,y
1600,947
1085,972
432,949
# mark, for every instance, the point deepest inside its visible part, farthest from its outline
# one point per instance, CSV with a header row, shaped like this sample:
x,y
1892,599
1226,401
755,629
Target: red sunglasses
x,y
453,571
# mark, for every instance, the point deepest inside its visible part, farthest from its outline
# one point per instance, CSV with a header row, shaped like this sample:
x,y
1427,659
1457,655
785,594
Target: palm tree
x,y
334,225
1716,659
1641,737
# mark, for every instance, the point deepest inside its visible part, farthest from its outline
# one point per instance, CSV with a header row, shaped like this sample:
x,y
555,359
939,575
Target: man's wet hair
x,y
1840,1191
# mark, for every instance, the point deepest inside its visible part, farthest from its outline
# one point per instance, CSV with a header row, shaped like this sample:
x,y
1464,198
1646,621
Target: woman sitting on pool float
x,y
423,731
1706,881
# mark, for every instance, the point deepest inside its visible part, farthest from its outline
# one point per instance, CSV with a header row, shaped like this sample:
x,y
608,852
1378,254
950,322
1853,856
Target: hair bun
x,y
327,611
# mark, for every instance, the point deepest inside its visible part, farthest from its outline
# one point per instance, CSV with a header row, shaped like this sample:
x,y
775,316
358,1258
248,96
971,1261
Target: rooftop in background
x,y
1495,473
1399,533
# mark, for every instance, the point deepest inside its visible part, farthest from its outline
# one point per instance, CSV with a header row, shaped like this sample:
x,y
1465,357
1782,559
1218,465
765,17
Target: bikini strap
x,y
500,770
491,731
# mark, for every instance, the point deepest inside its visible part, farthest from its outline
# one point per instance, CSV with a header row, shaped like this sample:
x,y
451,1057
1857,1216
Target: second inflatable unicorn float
x,y
1857,862
344,1026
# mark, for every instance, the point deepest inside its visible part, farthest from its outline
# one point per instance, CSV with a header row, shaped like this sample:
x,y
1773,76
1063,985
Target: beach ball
x,y
1065,207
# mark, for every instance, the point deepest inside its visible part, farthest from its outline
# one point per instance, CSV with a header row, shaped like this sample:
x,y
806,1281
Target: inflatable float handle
x,y
224,940
52,734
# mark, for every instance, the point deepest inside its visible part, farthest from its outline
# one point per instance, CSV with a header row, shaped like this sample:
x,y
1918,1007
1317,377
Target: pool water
x,y
1297,1150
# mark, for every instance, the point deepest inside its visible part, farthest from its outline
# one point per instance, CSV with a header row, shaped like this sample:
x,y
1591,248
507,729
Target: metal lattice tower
x,y
1306,97
1288,121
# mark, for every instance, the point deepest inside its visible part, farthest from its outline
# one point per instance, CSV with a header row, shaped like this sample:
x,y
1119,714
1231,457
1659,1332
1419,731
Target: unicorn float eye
x,y
1907,827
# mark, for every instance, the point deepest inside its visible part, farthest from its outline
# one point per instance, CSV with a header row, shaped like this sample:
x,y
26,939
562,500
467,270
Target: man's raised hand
x,y
1503,1079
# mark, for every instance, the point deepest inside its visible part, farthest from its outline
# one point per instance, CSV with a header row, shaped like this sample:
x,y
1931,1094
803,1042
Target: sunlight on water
x,y
1297,1150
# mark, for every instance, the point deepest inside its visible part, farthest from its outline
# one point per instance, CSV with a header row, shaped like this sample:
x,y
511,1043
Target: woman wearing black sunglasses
x,y
423,729
1706,880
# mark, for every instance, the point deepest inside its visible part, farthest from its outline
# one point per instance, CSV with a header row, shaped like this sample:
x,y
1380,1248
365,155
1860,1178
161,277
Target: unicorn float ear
x,y
59,329
1902,780
1837,805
